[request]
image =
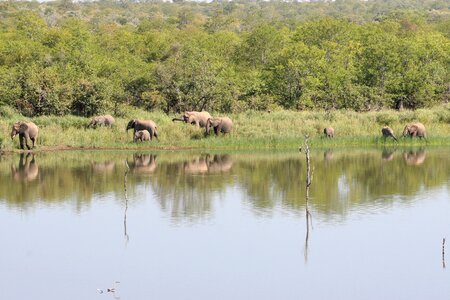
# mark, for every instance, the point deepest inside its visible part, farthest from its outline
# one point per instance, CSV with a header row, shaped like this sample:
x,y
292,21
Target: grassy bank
x,y
252,130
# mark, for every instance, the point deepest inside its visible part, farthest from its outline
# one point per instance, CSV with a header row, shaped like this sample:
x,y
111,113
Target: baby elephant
x,y
386,131
223,124
329,132
25,131
141,135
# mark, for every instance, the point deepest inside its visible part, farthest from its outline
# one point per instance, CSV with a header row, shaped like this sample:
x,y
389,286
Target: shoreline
x,y
248,147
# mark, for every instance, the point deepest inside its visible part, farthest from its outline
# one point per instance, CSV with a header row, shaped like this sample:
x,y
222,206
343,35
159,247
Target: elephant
x,y
148,125
198,118
415,130
223,124
26,131
27,171
141,135
386,131
329,132
414,158
106,120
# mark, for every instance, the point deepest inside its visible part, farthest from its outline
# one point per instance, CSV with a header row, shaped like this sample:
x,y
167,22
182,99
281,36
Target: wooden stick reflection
x,y
126,201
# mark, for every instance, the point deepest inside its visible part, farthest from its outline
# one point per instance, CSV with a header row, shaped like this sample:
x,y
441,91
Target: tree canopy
x,y
84,58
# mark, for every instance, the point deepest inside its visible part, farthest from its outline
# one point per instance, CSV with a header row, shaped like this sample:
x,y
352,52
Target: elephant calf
x,y
106,120
223,124
386,131
329,132
25,131
415,130
141,135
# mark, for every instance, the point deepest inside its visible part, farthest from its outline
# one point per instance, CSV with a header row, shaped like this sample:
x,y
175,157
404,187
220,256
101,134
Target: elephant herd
x,y
146,130
412,130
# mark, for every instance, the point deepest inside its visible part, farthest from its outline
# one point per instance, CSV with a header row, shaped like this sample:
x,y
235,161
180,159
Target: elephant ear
x,y
23,127
131,124
216,121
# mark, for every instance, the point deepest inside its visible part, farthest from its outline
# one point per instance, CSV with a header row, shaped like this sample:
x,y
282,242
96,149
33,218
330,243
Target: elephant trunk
x,y
208,127
177,119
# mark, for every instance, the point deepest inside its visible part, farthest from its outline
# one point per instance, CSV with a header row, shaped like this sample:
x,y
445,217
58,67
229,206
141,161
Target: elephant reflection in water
x,y
328,155
207,163
103,167
28,169
414,158
387,154
198,165
143,163
220,163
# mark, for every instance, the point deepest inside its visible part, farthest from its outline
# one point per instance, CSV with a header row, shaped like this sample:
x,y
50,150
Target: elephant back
x,y
33,130
109,120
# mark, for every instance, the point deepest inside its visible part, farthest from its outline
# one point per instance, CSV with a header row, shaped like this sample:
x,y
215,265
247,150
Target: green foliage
x,y
58,58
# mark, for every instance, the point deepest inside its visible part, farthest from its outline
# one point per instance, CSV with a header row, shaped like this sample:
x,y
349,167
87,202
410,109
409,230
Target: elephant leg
x,y
216,130
26,143
33,141
21,137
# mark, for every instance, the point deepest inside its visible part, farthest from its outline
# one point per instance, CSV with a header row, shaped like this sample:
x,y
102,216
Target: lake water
x,y
180,225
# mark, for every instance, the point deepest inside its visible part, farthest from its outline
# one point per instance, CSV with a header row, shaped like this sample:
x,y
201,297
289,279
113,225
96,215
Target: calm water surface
x,y
225,226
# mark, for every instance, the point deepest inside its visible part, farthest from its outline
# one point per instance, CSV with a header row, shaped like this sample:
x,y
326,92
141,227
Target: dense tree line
x,y
84,58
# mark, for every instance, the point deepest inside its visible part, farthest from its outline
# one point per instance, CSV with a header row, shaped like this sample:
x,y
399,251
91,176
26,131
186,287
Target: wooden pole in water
x,y
126,201
443,253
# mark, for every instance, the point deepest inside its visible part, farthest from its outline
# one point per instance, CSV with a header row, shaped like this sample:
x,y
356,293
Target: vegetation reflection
x,y
186,185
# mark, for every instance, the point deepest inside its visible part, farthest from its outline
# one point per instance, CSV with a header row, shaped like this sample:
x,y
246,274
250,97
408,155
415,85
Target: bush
x,y
386,118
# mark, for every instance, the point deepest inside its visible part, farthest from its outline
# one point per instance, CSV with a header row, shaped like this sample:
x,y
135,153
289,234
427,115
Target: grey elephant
x,y
25,131
223,124
329,132
415,130
386,131
141,135
198,118
106,120
148,125
27,171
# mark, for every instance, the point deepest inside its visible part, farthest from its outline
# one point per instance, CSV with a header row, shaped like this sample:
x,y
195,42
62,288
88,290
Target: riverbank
x,y
252,130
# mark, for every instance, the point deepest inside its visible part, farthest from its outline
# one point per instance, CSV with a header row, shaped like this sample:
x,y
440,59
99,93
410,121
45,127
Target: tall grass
x,y
252,130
